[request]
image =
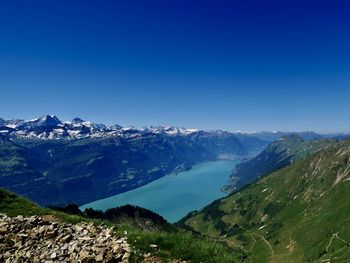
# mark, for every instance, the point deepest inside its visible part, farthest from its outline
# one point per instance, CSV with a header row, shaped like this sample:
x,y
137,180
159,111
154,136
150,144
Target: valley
x,y
175,195
296,214
54,168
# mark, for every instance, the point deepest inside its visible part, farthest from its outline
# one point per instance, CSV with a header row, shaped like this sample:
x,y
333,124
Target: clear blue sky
x,y
251,65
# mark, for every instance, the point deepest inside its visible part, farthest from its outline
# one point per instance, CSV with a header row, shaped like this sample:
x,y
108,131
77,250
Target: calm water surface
x,y
173,196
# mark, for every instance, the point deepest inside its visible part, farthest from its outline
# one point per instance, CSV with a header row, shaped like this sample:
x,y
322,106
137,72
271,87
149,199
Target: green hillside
x,y
277,155
297,214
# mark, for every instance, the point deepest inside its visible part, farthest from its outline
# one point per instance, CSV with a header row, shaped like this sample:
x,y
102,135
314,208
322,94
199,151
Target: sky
x,y
231,65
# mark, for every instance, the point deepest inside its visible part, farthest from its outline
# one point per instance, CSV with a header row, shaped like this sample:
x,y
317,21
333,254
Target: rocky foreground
x,y
40,239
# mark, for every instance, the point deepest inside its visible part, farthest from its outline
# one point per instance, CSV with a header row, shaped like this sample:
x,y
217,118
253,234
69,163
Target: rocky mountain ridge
x,y
50,127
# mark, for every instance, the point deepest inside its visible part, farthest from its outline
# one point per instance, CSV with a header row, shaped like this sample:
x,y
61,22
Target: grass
x,y
176,243
296,211
179,244
14,205
277,155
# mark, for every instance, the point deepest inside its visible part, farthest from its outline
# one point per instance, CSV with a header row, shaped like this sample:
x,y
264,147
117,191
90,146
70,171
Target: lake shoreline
x,y
175,195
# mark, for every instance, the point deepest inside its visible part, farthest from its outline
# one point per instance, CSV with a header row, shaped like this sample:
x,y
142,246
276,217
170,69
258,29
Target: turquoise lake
x,y
174,196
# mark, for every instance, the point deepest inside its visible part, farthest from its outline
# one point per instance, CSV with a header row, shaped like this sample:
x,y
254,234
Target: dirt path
x,y
331,240
254,241
266,242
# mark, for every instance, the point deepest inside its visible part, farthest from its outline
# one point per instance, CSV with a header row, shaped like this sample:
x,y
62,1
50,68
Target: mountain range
x,y
52,162
51,127
294,210
80,161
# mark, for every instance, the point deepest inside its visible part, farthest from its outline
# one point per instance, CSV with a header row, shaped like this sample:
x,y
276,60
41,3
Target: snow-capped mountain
x,y
13,123
50,127
43,121
171,130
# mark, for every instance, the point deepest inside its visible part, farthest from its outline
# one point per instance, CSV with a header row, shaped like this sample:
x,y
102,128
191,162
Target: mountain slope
x,y
49,127
277,155
88,169
297,214
163,243
273,136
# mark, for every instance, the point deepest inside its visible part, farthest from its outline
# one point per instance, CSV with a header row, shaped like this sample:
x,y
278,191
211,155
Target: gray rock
x,y
53,255
34,239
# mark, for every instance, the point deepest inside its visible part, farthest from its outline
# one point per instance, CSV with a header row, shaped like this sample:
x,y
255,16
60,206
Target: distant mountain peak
x,y
116,127
46,120
77,121
292,137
